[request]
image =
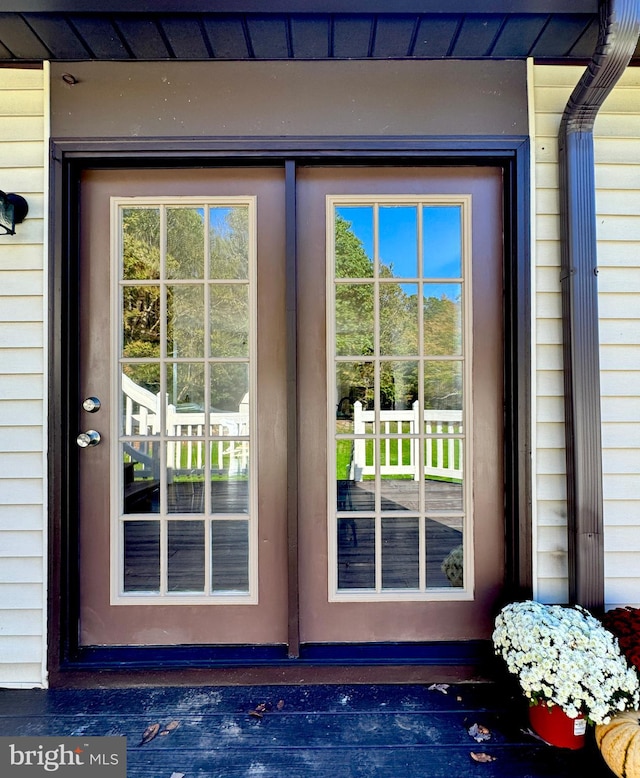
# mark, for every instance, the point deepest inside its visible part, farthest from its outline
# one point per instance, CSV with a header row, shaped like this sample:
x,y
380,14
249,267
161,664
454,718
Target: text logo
x,y
64,757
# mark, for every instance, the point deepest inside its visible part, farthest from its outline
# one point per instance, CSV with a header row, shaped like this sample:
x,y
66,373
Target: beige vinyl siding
x,y
23,120
617,175
618,206
550,541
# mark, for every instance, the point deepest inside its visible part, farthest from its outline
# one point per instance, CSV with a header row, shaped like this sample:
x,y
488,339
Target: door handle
x,y
88,438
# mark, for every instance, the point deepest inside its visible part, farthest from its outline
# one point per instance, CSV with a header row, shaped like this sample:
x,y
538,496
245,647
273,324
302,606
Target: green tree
x,y
399,308
354,307
442,326
354,301
184,262
443,379
229,243
141,303
185,243
230,314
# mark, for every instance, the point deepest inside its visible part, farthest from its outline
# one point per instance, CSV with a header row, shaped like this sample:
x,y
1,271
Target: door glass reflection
x,y
141,476
230,394
443,495
356,553
185,398
398,491
399,381
185,556
444,557
186,350
141,556
140,243
185,320
354,241
185,476
398,328
185,242
399,367
443,474
443,391
141,321
354,320
229,242
355,394
140,411
230,476
442,313
398,241
442,236
400,553
355,491
230,556
229,320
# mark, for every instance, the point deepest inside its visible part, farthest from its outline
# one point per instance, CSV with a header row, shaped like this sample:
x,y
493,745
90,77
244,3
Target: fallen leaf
x,y
439,687
479,732
280,705
481,756
170,727
150,732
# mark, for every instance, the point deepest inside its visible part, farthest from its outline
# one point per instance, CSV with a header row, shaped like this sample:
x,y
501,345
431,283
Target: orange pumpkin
x,y
619,743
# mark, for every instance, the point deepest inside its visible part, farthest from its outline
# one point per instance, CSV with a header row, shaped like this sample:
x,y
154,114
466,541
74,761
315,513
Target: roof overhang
x,y
147,30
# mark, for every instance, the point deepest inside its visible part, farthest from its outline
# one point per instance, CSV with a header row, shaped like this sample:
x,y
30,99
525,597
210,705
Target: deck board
x,y
306,731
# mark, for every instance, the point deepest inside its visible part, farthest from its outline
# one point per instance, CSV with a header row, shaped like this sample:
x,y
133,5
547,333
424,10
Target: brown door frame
x,y
68,158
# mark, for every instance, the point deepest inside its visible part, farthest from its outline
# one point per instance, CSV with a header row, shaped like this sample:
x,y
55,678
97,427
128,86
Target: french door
x,y
409,523
183,466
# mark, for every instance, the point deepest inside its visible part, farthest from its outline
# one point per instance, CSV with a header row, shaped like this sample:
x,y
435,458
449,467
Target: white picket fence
x,y
443,453
398,442
142,416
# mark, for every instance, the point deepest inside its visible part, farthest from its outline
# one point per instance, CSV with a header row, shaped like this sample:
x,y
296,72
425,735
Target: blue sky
x,y
398,237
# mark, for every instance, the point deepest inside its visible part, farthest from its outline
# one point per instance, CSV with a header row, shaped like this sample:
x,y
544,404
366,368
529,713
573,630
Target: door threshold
x,y
271,676
436,662
441,652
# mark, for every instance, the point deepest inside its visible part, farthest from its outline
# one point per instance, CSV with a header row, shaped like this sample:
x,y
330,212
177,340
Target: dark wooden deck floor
x,y
304,731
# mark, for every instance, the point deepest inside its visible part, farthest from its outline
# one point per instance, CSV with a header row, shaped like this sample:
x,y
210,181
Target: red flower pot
x,y
556,728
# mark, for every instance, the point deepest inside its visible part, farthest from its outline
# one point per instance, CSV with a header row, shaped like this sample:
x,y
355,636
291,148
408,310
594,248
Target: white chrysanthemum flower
x,y
565,656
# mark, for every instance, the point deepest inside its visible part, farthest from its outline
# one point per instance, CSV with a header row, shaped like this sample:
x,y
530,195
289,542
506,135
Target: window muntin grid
x,y
184,478
399,345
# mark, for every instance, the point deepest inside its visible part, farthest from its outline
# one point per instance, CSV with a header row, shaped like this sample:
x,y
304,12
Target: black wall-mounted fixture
x,y
13,209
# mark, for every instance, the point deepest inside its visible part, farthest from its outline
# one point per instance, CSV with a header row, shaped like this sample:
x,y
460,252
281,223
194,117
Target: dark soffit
x,y
36,30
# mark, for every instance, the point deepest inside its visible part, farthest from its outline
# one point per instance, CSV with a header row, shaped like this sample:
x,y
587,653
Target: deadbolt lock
x,y
91,405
